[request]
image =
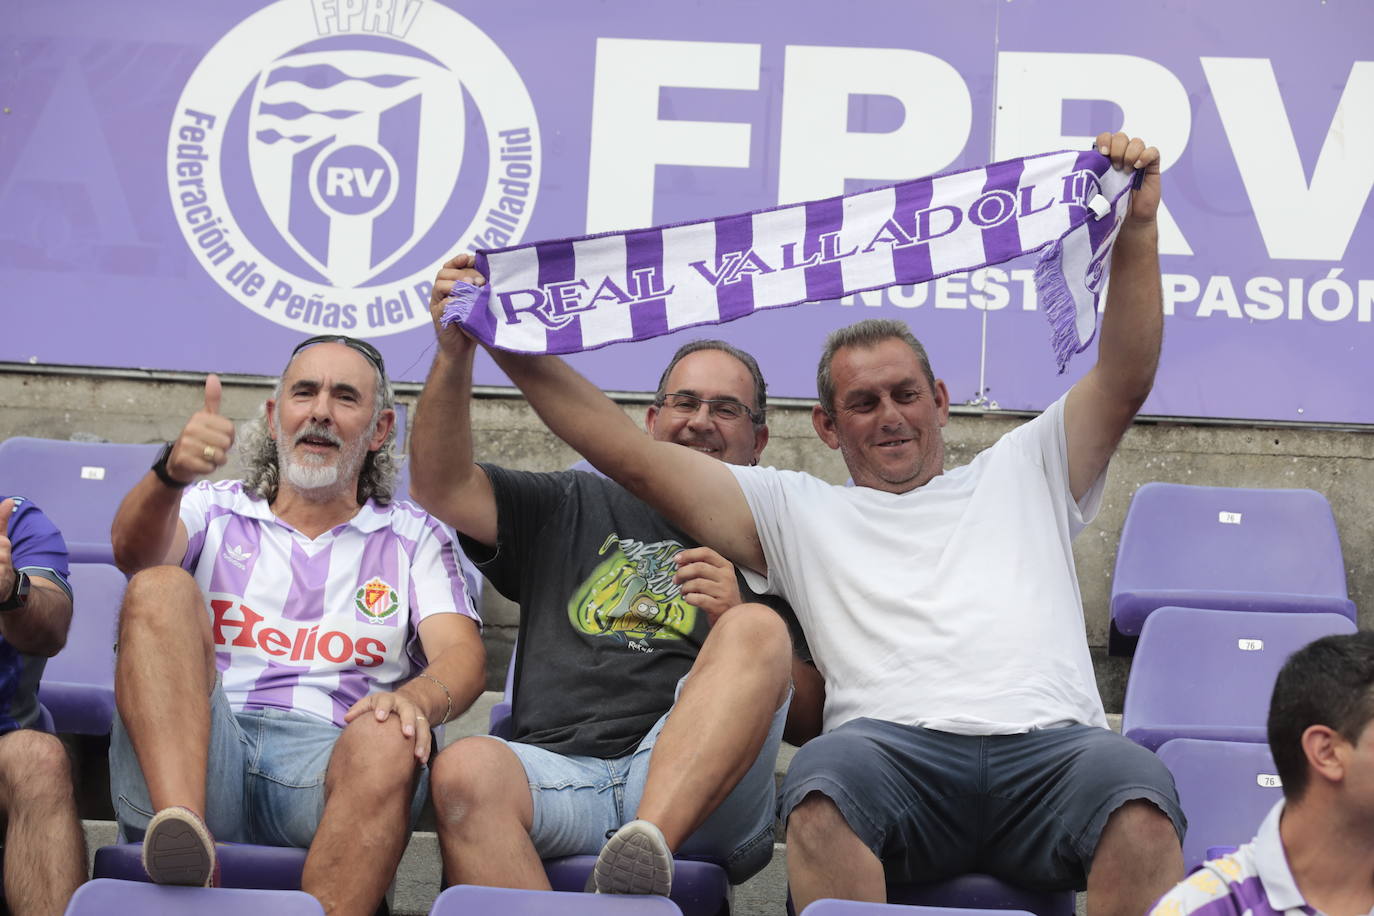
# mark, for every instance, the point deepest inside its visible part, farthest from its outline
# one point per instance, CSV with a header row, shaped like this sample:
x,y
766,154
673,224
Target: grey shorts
x,y
1028,808
579,801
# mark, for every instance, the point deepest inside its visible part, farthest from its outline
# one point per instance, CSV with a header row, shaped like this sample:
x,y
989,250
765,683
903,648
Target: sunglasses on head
x,y
369,352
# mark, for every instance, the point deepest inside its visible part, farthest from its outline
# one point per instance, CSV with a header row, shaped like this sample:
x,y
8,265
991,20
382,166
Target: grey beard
x,y
320,481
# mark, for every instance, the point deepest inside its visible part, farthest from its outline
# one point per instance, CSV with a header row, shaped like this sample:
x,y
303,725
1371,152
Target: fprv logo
x,y
326,155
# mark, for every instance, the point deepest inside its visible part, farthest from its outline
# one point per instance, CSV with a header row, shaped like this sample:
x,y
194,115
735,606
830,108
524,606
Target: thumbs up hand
x,y
204,443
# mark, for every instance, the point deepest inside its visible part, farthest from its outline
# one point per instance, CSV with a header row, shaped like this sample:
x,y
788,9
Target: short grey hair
x,y
864,334
376,479
760,410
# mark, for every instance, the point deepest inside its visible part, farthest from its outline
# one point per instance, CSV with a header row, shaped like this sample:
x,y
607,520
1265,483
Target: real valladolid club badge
x,y
376,600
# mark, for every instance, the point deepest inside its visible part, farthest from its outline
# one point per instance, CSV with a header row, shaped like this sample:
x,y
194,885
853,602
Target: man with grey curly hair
x,y
287,640
264,458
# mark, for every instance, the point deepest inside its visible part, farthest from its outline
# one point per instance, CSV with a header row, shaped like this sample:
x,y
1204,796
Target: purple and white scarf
x,y
578,294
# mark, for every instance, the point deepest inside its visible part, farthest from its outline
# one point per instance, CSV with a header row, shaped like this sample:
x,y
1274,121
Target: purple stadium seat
x,y
699,888
107,895
78,485
1226,788
467,900
982,892
1225,548
78,682
499,722
829,907
241,865
1208,674
977,892
402,488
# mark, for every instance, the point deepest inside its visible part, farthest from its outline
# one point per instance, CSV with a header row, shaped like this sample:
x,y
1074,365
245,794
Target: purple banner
x,y
198,187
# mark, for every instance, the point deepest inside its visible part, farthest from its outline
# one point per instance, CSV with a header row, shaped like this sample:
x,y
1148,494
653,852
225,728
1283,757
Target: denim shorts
x,y
1027,808
579,801
265,782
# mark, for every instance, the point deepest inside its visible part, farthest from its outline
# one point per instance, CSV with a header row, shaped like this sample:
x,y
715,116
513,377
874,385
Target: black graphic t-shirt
x,y
605,634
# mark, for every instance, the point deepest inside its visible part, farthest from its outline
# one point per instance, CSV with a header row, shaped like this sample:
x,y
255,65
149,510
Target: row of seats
x,y
107,895
1195,564
1214,588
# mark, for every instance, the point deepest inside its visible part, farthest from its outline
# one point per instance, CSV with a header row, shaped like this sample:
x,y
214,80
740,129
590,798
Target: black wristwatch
x,y
160,469
19,594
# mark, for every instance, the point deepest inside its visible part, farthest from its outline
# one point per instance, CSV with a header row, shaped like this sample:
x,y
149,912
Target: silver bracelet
x,y
448,696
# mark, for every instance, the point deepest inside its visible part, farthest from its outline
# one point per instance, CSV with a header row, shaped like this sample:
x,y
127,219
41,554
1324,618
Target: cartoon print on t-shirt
x,y
631,597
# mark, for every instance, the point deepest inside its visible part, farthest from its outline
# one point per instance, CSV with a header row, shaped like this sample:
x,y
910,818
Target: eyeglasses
x,y
369,352
721,408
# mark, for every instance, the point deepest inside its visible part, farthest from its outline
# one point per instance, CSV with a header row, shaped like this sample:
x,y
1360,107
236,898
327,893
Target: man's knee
x,y
475,772
757,626
158,594
373,757
34,768
760,632
815,823
1140,825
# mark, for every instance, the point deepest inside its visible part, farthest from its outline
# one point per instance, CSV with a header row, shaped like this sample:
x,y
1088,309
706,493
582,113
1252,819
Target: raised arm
x,y
1101,406
147,529
696,492
443,477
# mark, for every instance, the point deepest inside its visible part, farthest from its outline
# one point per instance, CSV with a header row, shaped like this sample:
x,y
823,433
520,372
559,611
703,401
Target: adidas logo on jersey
x,y
236,555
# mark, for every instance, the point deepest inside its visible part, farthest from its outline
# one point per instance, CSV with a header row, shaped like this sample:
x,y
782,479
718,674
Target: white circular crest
x,y
322,161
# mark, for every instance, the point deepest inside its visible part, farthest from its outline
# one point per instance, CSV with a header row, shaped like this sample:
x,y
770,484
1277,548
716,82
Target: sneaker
x,y
178,849
635,860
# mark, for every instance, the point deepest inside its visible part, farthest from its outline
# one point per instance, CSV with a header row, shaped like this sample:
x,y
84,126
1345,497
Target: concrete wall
x,y
131,408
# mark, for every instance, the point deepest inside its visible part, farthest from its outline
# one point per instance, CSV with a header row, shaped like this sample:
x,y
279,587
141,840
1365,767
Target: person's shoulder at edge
x,y
1210,886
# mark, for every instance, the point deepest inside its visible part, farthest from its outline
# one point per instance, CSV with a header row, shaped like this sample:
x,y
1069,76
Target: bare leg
x,y
368,790
720,720
826,859
1138,859
485,812
45,850
164,673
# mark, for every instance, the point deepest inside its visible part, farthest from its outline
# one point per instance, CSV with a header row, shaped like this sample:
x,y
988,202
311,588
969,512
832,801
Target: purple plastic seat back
x,y
78,682
1226,788
855,908
1226,548
973,892
982,892
78,485
499,722
467,900
241,865
699,888
1209,674
108,895
585,466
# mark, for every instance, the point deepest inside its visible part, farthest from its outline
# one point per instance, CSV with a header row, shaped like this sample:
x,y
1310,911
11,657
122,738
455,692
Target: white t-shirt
x,y
313,625
954,606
